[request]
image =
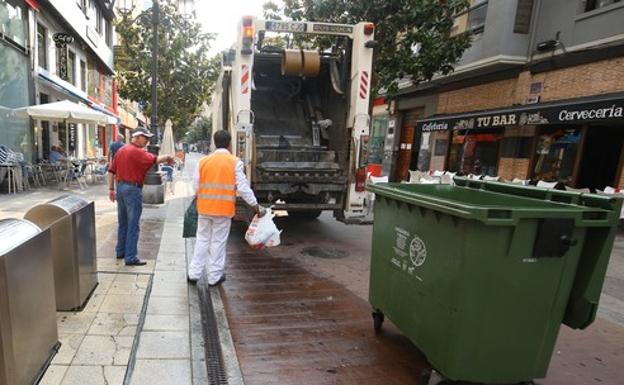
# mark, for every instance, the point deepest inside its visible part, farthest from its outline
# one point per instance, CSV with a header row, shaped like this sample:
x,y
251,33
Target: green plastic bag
x,y
190,220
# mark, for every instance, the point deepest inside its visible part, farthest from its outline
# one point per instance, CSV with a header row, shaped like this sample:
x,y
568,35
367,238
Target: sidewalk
x,y
137,326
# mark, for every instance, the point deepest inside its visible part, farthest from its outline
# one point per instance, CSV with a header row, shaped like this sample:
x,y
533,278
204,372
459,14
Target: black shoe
x,y
138,262
191,281
120,257
220,281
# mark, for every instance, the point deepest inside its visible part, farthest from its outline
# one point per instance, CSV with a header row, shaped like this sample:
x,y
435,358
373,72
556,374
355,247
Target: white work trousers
x,y
212,236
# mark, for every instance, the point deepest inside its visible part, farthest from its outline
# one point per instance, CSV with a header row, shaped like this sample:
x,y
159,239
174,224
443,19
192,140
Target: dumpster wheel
x,y
378,319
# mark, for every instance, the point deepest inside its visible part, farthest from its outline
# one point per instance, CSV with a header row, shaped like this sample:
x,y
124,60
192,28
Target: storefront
x,y
578,142
15,133
377,138
78,140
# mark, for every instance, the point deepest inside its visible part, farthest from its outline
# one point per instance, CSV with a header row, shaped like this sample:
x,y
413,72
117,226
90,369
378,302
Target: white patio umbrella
x,y
167,147
65,111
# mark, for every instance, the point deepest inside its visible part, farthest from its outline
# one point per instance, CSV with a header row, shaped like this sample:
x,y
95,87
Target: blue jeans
x,y
129,208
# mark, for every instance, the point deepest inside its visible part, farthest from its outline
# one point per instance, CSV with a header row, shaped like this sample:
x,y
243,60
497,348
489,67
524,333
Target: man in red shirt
x,y
128,168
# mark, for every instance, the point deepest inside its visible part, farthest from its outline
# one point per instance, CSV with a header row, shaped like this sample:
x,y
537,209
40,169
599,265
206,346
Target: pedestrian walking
x,y
217,179
115,146
128,169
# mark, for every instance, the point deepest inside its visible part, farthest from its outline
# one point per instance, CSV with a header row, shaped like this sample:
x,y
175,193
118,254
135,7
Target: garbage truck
x,y
300,118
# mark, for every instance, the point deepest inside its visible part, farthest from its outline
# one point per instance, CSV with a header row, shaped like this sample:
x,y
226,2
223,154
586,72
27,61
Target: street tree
x,y
186,74
199,131
415,40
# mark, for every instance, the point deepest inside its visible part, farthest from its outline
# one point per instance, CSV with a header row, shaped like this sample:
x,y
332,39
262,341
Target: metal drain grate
x,y
212,343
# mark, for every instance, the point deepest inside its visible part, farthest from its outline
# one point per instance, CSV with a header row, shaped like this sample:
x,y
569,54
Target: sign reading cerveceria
x,y
573,112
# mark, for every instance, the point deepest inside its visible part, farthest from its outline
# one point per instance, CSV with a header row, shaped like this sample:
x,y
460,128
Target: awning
x,y
64,111
602,108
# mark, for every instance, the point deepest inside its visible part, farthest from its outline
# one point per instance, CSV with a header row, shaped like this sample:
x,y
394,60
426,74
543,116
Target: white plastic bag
x,y
262,231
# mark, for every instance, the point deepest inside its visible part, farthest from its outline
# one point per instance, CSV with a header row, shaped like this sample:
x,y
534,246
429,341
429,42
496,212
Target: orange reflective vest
x,y
216,192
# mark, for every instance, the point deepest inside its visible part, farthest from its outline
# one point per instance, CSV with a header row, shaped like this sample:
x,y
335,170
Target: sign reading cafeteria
x,y
598,109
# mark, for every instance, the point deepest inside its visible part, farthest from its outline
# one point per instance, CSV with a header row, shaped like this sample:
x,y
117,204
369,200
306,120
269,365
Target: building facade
x,y
53,50
73,60
539,95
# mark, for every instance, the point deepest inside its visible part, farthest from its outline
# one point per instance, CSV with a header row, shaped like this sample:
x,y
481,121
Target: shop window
x,y
518,147
42,46
14,132
377,139
555,155
424,152
92,141
441,145
475,152
590,5
13,22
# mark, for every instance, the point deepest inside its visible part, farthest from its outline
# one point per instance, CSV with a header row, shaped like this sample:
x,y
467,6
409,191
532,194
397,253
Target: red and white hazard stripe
x,y
244,79
363,85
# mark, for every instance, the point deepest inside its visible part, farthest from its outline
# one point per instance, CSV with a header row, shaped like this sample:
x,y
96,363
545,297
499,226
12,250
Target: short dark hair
x,y
222,139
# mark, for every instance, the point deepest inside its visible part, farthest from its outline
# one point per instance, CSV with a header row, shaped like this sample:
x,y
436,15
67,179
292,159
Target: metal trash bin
x,y
28,331
480,276
71,220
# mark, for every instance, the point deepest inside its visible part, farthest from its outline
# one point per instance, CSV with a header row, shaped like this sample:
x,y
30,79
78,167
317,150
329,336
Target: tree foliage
x,y
199,131
186,74
414,36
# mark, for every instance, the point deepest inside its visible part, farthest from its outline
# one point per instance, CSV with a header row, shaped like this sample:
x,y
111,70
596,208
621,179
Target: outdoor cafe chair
x,y
13,177
76,172
38,171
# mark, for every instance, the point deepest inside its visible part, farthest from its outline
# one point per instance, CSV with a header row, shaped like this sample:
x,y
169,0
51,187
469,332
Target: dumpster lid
x,y
14,232
68,203
56,208
48,213
504,204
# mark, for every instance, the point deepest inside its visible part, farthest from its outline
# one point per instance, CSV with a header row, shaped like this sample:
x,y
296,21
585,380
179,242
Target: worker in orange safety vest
x,y
217,179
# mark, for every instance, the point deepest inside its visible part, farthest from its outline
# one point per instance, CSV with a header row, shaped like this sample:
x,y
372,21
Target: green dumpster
x,y
481,275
